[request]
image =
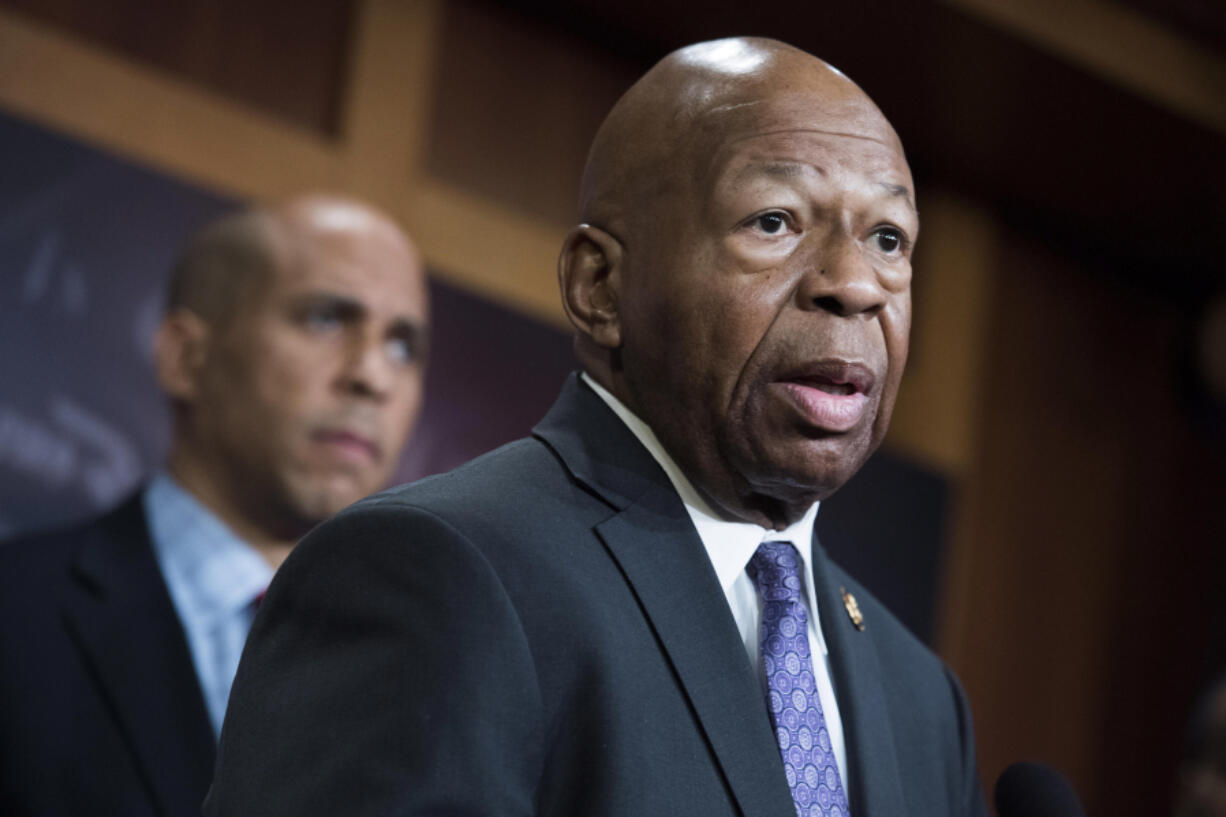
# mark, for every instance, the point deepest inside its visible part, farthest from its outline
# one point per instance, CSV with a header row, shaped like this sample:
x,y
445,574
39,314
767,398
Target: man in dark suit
x,y
292,351
627,614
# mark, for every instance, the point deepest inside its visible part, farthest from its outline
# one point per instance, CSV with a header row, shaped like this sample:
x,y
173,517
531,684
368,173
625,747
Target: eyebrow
x,y
351,308
901,191
413,332
783,170
790,170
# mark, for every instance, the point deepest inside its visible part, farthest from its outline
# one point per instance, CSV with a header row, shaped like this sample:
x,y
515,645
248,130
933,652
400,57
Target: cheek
x,y
403,411
729,327
291,380
896,325
748,322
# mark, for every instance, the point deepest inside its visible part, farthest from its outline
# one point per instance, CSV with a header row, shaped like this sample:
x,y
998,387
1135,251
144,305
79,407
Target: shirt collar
x,y
208,569
729,544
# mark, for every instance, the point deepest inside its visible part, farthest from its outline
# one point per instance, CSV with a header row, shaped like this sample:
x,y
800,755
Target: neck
x,y
193,477
737,503
769,512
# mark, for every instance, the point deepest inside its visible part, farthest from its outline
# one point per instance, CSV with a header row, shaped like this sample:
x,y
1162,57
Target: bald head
x,y
661,132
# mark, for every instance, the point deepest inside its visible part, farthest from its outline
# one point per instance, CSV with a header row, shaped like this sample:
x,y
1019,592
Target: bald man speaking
x,y
628,613
292,351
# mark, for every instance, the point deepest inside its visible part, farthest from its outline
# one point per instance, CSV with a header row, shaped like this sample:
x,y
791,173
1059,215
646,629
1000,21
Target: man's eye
x,y
889,239
401,350
322,320
771,223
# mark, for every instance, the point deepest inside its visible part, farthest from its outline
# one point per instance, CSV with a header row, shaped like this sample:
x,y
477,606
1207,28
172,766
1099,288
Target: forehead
x,y
769,129
838,159
369,263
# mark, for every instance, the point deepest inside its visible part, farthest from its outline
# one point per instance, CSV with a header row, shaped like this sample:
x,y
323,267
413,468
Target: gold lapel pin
x,y
853,609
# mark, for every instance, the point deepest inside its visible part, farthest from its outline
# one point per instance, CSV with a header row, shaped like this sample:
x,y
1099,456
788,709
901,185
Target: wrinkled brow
x,y
784,170
790,170
899,190
776,169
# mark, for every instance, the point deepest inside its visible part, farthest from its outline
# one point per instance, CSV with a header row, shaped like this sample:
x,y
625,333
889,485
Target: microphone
x,y
1035,790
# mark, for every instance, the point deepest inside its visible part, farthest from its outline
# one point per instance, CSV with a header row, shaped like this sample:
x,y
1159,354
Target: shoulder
x,y
490,483
922,700
898,648
922,690
931,689
503,496
511,522
33,566
895,639
30,558
482,501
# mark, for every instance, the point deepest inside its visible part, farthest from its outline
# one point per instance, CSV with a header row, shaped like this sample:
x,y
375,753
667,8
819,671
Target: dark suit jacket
x,y
100,709
541,632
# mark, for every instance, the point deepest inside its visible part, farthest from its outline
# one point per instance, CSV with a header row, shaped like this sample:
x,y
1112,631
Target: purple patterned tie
x,y
795,709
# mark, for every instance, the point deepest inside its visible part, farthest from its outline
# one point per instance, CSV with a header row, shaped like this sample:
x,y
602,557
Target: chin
x,y
315,503
814,473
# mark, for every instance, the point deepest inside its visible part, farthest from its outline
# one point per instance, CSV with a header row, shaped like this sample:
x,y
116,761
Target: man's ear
x,y
590,277
180,349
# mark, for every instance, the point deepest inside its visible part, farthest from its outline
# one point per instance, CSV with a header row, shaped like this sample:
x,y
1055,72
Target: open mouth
x,y
831,395
833,376
827,386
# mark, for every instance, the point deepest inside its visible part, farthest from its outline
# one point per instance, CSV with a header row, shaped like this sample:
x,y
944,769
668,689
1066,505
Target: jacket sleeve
x,y
386,673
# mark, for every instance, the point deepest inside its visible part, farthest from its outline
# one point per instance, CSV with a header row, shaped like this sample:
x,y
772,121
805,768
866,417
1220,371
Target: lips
x,y
831,395
349,445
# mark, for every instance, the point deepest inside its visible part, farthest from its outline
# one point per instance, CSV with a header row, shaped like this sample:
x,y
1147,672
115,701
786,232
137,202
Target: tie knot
x,y
775,569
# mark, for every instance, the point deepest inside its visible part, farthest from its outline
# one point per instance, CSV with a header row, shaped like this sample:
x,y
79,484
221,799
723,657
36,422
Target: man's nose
x,y
367,369
841,278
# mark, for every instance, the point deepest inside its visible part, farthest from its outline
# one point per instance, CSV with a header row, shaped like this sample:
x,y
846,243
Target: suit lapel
x,y
122,619
863,706
673,579
654,542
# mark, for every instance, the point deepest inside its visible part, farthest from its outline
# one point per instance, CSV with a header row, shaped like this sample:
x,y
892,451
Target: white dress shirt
x,y
730,546
213,578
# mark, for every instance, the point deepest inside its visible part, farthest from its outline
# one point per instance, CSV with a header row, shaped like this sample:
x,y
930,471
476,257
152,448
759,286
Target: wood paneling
x,y
1079,581
155,118
939,405
1109,40
515,109
283,57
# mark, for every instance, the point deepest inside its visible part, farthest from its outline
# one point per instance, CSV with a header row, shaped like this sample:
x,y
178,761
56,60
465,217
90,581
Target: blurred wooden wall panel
x,y
515,108
284,57
1079,574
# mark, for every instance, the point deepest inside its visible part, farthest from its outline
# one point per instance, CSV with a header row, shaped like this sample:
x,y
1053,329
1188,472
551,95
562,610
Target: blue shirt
x,y
213,577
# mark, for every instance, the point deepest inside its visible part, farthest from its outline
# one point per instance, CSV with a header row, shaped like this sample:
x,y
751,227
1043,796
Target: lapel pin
x,y
853,609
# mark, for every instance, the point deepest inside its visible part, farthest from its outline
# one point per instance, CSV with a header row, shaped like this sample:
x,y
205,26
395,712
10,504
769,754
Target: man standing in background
x,y
293,352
